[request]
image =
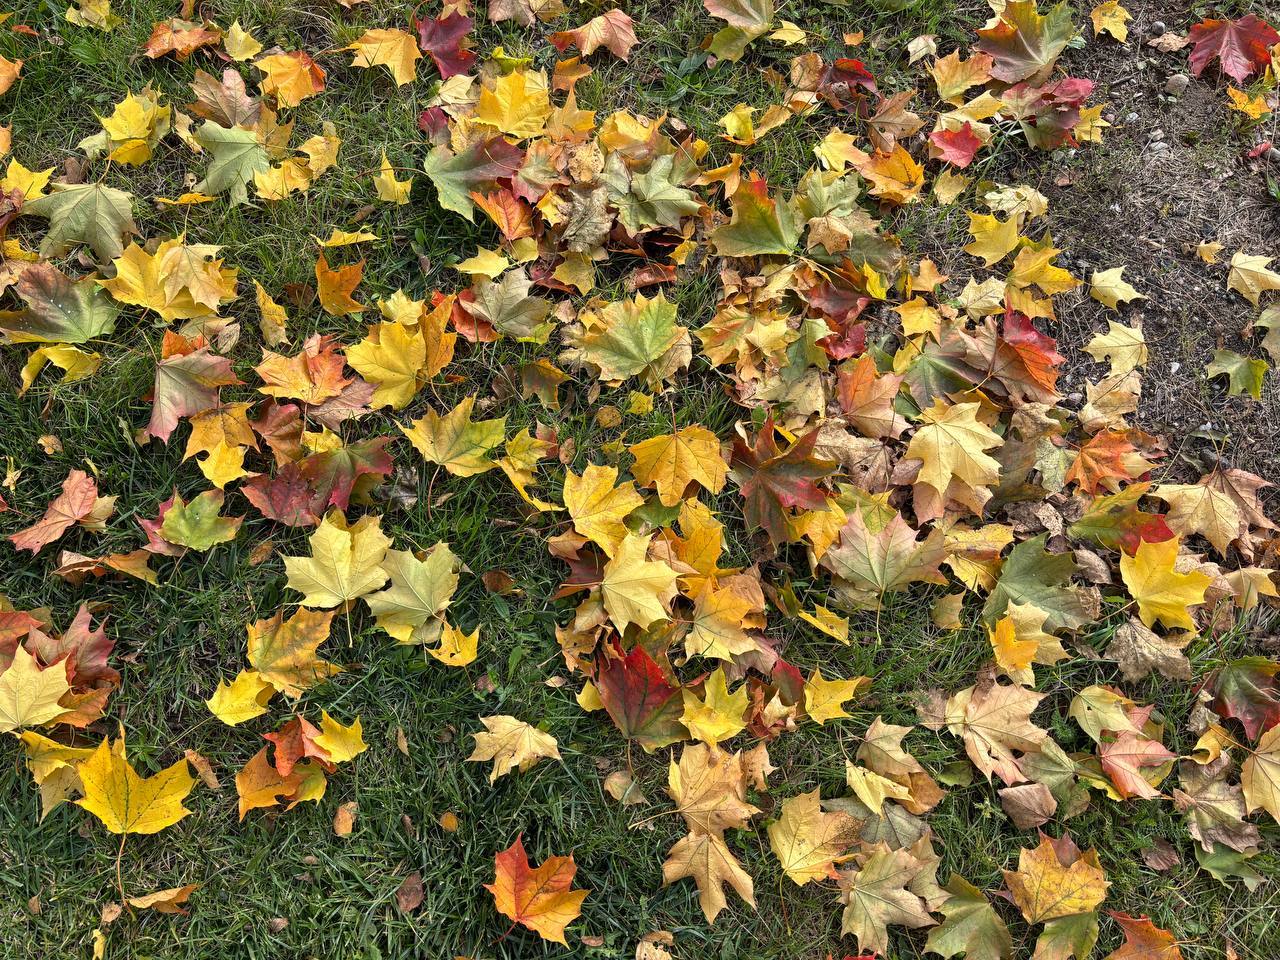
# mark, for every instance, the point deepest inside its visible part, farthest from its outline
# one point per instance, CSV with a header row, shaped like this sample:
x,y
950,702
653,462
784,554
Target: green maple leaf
x,y
506,304
59,310
760,226
199,524
84,213
1033,575
236,155
652,198
972,927
1244,374
456,175
638,334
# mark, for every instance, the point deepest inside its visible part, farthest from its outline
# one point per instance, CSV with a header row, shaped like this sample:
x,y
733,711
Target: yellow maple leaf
x,y
512,743
1253,107
242,699
290,77
454,440
345,561
635,589
283,652
1044,887
126,802
950,445
1110,17
808,842
31,183
391,190
240,44
825,699
392,358
993,238
393,49
598,507
457,649
1162,593
517,104
29,695
719,715
341,743
1110,288
894,177
673,461
1250,277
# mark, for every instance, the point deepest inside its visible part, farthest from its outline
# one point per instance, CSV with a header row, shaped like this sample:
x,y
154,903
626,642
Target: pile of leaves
x,y
901,431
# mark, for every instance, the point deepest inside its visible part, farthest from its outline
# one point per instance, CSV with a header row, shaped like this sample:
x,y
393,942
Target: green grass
x,y
175,641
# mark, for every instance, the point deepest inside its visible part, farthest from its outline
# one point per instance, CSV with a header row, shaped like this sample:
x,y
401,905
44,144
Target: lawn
x,y
281,884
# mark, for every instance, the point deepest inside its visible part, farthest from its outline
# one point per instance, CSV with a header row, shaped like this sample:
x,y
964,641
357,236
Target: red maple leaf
x,y
956,147
441,39
773,482
1241,47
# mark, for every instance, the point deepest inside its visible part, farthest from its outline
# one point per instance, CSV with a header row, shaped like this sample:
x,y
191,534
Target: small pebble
x,y
1158,28
1177,84
1158,146
1131,117
1273,154
1157,134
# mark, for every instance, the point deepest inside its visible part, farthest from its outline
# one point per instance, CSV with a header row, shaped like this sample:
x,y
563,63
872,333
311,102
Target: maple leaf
x,y
957,147
995,720
1032,575
199,524
392,357
1143,940
412,608
454,441
1056,880
442,39
181,38
635,589
759,226
877,895
259,784
457,176
515,104
719,715
706,859
345,561
512,743
76,501
640,699
89,213
1247,690
1125,759
674,461
824,699
635,337
393,49
283,652
1244,374
1162,594
1241,47
1138,651
1022,43
1116,522
950,444
1249,275
1214,810
236,155
187,380
613,30
972,927
866,397
1203,509
30,694
1123,347
808,842
709,789
773,482
59,310
537,898
244,698
1259,774
290,77
127,803
872,565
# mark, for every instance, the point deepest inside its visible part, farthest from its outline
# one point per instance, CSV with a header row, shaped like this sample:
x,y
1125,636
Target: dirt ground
x,y
1130,201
